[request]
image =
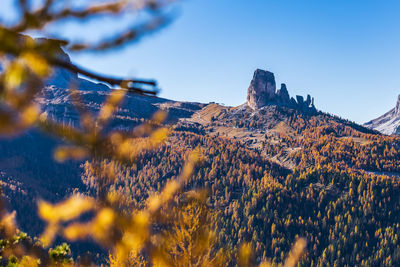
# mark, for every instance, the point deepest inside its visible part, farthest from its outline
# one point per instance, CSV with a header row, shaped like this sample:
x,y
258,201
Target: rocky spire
x,y
262,89
388,123
308,101
283,94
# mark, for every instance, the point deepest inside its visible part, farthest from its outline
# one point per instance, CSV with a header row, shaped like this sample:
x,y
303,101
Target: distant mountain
x,y
56,100
388,123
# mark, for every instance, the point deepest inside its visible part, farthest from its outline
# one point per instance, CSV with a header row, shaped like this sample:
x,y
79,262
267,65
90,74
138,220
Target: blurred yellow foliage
x,y
36,63
14,75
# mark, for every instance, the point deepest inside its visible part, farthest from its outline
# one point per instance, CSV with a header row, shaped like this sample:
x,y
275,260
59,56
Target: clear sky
x,y
344,53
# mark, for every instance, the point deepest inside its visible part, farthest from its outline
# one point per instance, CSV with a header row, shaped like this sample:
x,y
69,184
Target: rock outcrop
x,y
262,89
283,94
388,123
262,92
397,108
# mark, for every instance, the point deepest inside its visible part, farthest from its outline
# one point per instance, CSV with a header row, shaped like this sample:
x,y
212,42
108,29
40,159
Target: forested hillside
x,y
349,215
340,192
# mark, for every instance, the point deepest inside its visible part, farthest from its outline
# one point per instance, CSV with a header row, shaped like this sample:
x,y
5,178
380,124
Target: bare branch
x,y
129,84
134,33
23,4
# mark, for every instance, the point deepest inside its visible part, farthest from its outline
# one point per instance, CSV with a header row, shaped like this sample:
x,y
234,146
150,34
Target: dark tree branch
x,y
132,34
132,85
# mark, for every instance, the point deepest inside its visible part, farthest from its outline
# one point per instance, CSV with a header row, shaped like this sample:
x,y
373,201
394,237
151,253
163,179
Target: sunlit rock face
x,y
397,108
262,89
388,123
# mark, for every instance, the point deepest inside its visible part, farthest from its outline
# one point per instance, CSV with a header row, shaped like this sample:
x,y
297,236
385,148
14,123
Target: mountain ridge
x,y
388,123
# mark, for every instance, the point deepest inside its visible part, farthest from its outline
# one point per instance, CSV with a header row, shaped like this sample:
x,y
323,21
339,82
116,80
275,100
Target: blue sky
x,y
344,53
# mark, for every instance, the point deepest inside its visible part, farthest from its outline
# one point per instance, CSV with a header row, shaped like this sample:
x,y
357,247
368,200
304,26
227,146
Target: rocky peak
x,y
62,78
262,92
283,94
388,123
397,108
300,100
262,89
308,100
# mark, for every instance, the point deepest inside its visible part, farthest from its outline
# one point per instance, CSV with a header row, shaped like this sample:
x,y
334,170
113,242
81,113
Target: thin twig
x,y
128,84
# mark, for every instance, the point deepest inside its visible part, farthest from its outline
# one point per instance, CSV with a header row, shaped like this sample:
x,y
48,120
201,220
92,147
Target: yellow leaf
x,y
36,63
29,115
14,75
102,224
67,210
28,261
76,231
160,135
296,253
108,108
63,153
49,234
159,117
245,254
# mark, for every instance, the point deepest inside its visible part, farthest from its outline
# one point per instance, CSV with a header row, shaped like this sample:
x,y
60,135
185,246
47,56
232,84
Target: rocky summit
x,y
262,92
388,123
262,89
